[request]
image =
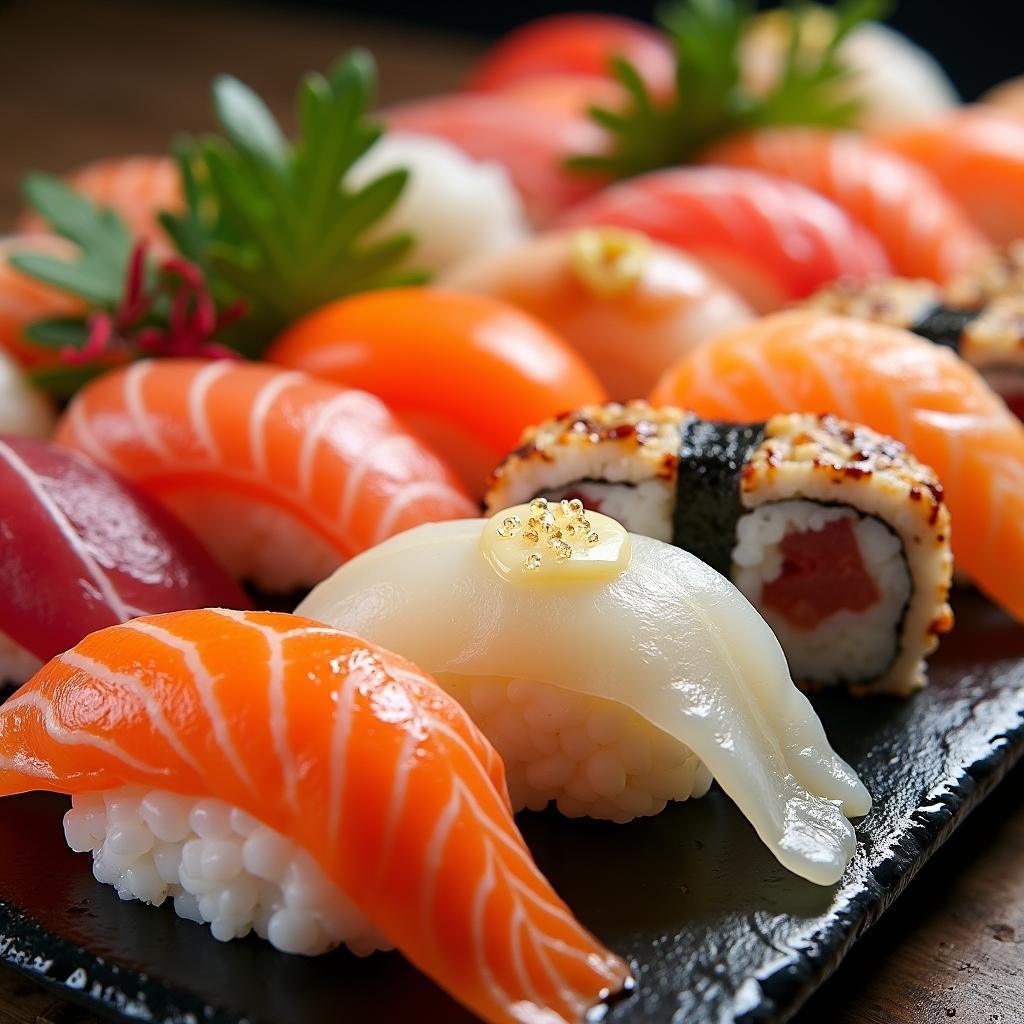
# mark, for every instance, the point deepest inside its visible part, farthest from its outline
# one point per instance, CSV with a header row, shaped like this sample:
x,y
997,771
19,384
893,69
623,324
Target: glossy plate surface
x,y
716,930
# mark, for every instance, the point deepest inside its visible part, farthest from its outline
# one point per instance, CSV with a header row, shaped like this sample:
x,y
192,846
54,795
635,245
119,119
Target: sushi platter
x,y
550,552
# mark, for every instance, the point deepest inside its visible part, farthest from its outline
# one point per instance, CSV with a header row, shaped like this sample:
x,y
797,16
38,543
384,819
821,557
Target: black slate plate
x,y
716,930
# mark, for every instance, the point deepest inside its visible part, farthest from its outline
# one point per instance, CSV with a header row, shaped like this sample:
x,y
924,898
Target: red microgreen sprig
x,y
168,314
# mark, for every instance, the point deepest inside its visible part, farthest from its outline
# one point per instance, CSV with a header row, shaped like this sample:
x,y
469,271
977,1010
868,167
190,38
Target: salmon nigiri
x,y
284,477
270,773
978,156
924,231
897,383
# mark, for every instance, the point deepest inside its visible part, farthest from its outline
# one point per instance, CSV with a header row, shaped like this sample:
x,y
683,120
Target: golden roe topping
x,y
555,542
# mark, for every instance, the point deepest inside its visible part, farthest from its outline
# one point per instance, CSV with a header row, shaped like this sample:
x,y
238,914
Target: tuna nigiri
x,y
137,188
899,384
467,372
603,289
269,773
24,300
282,476
575,44
81,549
977,155
924,231
771,239
613,672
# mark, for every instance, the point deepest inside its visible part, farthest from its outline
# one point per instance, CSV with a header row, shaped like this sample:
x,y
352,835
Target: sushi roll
x,y
282,476
613,672
601,289
834,533
81,549
980,315
264,773
898,384
454,207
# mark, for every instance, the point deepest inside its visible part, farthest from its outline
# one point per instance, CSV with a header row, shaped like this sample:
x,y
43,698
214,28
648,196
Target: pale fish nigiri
x,y
269,773
899,384
612,672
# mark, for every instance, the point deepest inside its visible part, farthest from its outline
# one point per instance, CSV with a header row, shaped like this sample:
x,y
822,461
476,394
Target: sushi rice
x,y
218,866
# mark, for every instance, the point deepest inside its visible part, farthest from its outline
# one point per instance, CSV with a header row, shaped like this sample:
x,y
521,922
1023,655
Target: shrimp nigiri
x,y
770,239
899,384
977,155
269,773
282,476
924,231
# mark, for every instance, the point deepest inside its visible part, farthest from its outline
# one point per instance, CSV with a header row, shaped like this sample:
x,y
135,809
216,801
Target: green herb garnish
x,y
272,222
711,101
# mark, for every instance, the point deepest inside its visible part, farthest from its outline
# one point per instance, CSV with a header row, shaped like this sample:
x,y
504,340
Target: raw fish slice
x,y
924,231
81,549
899,384
281,475
657,631
349,751
771,239
977,155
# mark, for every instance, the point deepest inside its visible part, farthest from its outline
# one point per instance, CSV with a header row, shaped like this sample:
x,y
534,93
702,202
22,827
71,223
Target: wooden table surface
x,y
83,80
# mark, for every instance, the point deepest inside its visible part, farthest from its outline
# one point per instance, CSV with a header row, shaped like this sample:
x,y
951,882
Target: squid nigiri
x,y
899,384
467,372
834,533
612,672
770,239
81,549
531,145
924,231
137,188
282,476
24,300
602,289
270,774
977,155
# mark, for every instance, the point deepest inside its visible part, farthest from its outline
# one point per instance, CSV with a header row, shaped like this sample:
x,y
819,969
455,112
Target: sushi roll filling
x,y
828,580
